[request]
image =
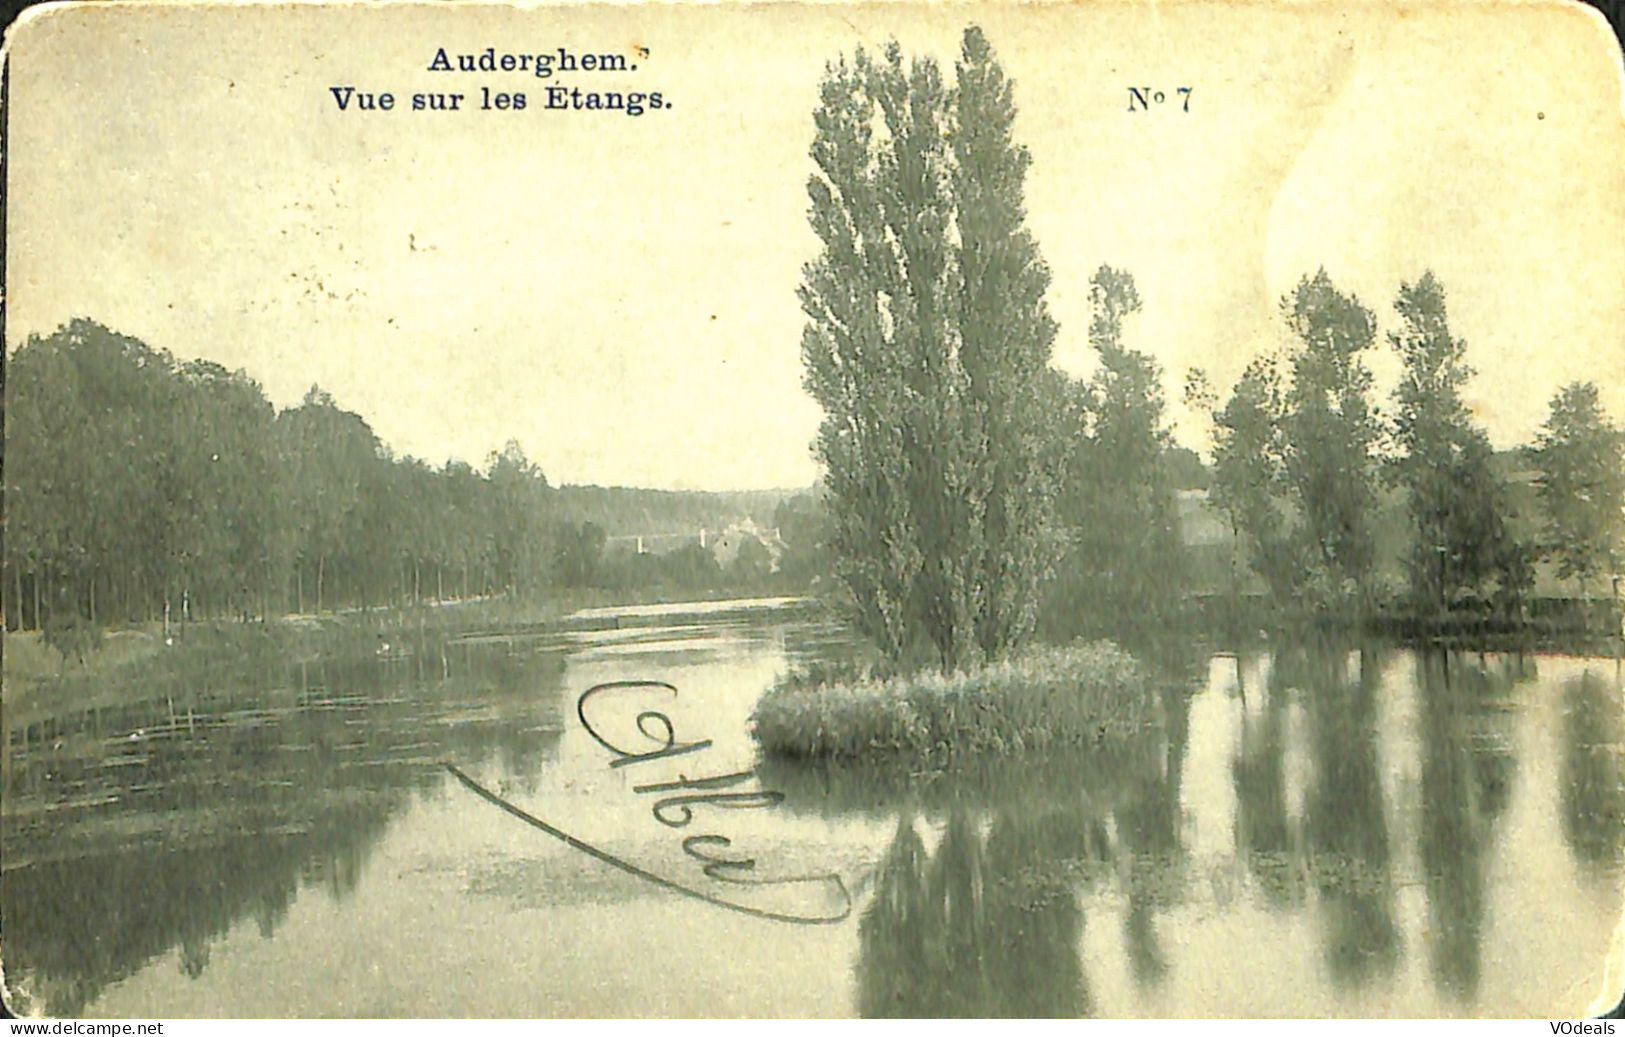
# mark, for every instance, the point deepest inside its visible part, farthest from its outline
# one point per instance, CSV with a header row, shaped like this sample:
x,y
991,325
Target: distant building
x,y
1200,522
724,546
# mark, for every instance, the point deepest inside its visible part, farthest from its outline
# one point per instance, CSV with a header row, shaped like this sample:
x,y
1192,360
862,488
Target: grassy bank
x,y
1568,625
29,660
1046,698
139,664
136,662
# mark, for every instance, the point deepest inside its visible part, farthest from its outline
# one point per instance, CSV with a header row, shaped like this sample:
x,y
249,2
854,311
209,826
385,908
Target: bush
x,y
72,635
1073,696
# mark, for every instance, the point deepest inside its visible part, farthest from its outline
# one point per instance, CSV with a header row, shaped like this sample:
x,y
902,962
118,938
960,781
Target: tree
x,y
581,554
1295,456
235,527
1117,500
1249,477
1006,337
1581,460
1184,469
404,512
45,493
1458,505
93,437
1332,433
802,522
752,566
467,530
519,519
329,455
926,335
690,568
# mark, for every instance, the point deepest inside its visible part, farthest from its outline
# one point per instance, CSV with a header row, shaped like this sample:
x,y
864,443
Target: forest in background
x,y
139,486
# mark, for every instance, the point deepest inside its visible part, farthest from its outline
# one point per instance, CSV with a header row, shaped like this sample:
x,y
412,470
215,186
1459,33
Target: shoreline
x,y
39,686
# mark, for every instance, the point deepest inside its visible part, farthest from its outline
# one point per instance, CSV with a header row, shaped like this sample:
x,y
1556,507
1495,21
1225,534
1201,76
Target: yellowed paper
x,y
588,264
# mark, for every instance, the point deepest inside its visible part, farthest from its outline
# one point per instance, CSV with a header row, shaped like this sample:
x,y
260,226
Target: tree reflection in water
x,y
986,926
280,781
1147,822
990,924
1345,818
1467,769
947,936
73,926
1265,836
979,911
1341,843
1593,771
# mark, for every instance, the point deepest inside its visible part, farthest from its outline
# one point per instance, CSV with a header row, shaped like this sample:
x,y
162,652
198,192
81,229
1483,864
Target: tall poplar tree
x,y
1118,500
1249,478
1580,455
1006,336
1457,503
1295,456
1332,433
927,344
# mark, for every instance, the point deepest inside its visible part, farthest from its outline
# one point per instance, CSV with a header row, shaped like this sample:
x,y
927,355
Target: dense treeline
x,y
1123,562
1340,502
927,343
139,487
1305,459
625,511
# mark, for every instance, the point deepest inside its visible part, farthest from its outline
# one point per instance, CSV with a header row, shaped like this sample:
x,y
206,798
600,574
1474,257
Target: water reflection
x,y
1343,843
75,925
1593,773
1467,767
1365,803
1147,822
150,828
1345,816
986,926
990,921
941,934
1265,835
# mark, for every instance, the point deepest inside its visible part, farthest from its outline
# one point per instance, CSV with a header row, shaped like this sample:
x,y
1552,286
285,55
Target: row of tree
x,y
1304,458
964,472
139,487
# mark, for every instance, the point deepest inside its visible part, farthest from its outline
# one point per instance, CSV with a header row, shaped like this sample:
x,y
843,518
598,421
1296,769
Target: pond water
x,y
1314,831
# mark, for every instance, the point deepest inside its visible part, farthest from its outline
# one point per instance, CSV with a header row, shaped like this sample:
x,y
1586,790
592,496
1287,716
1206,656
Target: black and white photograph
x,y
813,510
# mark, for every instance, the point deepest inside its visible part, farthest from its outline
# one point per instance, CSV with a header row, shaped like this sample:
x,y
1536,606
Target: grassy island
x,y
1045,698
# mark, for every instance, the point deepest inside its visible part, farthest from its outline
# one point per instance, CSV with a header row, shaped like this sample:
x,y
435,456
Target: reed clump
x,y
1072,696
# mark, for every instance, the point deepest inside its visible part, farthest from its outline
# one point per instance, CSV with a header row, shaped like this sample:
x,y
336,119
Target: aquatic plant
x,y
1075,695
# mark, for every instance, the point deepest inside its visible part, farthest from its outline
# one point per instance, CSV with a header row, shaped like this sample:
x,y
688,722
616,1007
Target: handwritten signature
x,y
675,809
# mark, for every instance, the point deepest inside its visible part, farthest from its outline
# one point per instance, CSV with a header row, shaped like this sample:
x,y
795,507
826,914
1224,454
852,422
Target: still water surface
x,y
1314,831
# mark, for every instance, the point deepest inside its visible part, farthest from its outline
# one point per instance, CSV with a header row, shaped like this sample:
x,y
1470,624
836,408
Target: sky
x,y
618,294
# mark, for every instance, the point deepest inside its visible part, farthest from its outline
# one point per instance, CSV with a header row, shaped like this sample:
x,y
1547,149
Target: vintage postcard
x,y
813,509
